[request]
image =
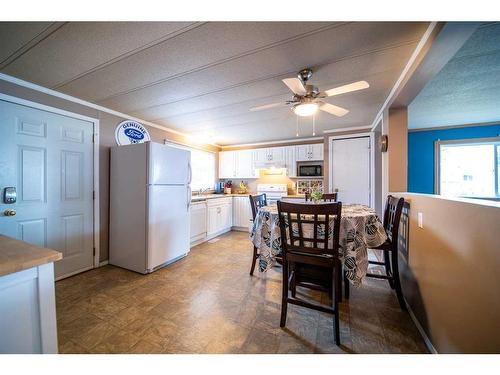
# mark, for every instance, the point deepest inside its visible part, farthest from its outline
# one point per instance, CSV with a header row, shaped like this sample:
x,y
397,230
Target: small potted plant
x,y
228,187
316,196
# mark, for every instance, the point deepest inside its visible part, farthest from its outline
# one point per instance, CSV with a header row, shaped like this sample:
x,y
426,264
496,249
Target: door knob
x,y
9,212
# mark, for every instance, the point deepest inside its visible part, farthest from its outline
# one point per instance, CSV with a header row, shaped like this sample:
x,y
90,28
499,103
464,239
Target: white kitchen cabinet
x,y
309,152
227,164
269,155
244,167
317,151
219,216
236,164
277,154
242,213
198,222
28,311
290,161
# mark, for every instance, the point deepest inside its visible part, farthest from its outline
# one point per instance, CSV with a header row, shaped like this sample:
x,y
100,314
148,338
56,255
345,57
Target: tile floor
x,y
208,303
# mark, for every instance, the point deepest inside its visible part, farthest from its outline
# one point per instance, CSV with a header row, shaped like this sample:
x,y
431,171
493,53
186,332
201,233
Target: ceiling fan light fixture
x,y
305,109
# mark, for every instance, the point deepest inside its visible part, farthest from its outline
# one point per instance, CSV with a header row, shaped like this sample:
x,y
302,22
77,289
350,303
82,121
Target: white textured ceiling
x,y
467,89
203,77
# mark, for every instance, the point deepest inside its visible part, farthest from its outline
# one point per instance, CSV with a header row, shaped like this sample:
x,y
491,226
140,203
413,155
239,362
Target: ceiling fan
x,y
307,98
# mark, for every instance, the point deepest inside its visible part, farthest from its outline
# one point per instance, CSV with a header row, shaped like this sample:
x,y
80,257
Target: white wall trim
x,y
406,69
103,263
427,341
371,137
294,140
338,130
73,99
95,167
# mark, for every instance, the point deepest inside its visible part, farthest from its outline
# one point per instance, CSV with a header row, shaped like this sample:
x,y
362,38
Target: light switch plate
x,y
421,220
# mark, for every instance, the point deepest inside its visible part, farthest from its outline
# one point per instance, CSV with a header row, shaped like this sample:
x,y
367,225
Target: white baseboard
x,y
103,263
428,342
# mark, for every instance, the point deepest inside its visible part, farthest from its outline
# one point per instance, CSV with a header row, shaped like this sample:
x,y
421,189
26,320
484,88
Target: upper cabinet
x,y
236,164
309,152
227,164
243,163
291,161
269,155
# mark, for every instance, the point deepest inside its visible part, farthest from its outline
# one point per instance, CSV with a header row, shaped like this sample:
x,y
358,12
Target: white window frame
x,y
437,156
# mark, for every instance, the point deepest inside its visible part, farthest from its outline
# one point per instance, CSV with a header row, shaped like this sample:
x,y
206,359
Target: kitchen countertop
x,y
18,255
204,197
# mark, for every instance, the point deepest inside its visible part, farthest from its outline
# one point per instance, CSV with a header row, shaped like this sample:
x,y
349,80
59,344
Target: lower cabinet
x,y
28,311
242,213
219,216
215,216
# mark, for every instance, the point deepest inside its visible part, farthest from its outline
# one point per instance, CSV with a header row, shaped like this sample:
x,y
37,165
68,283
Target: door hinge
x,y
93,194
93,251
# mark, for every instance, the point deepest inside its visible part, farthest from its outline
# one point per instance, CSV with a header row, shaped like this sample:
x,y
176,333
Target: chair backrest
x,y
310,229
256,202
392,217
327,197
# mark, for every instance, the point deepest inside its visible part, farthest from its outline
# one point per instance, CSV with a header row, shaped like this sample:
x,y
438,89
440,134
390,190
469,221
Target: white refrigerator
x,y
150,195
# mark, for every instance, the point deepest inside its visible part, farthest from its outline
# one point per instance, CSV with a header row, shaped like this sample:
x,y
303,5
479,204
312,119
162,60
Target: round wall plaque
x,y
130,132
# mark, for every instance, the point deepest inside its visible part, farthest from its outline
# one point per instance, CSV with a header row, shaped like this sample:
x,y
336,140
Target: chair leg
x,y
284,295
336,321
254,259
338,284
293,285
388,271
346,286
397,282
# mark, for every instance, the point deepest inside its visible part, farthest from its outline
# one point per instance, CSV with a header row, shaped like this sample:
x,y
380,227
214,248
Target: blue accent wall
x,y
421,152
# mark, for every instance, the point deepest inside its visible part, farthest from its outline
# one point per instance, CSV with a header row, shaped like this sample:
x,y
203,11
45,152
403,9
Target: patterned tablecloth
x,y
360,229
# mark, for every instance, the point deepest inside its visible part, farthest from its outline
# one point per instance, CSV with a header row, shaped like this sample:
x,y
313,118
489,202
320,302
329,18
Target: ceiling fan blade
x,y
266,106
334,110
355,86
295,85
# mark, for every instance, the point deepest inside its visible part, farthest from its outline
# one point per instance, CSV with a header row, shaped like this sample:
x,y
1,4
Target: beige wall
x,y
398,149
107,124
451,281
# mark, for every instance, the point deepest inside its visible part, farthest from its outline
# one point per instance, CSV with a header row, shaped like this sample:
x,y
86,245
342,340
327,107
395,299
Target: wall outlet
x,y
420,220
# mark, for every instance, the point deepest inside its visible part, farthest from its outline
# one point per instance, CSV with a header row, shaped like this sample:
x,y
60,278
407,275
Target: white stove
x,y
274,192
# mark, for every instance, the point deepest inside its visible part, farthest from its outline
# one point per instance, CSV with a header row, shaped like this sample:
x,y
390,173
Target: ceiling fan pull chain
x,y
314,130
297,127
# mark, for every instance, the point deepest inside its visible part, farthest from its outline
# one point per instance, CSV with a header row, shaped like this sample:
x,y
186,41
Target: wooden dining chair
x,y
310,255
392,219
327,197
256,202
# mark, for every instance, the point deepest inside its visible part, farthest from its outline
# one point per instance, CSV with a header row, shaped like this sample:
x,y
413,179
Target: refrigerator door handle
x,y
188,189
190,173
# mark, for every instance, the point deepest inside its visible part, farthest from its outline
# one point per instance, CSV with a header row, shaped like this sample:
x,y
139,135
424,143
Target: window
x,y
469,168
203,168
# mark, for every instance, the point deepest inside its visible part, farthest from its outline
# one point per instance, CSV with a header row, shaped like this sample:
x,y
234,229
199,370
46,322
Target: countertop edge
x,y
16,256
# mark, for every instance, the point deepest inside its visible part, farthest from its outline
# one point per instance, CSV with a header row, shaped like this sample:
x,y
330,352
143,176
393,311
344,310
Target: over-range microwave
x,y
309,169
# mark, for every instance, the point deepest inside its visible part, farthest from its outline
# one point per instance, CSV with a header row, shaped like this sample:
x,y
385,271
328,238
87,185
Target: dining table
x,y
360,229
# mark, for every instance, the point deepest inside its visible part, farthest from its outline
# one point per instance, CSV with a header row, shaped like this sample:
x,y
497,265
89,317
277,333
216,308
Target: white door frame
x,y
372,160
95,122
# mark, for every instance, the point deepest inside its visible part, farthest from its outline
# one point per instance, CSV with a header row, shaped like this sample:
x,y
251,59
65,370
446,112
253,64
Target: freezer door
x,y
168,165
168,223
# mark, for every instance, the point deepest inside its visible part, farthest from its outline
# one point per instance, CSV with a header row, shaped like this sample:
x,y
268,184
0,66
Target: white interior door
x,y
48,159
350,169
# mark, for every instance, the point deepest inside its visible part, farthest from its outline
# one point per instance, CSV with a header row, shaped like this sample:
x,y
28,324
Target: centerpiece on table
x,y
316,196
